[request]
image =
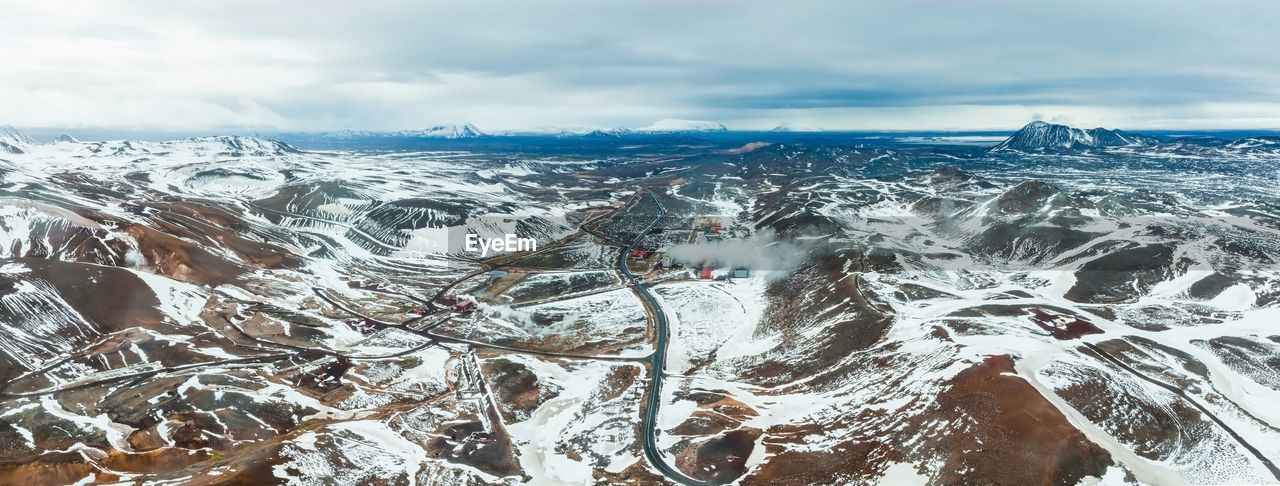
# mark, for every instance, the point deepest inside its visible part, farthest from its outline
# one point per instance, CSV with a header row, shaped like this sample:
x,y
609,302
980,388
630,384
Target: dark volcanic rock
x,y
949,174
1026,197
1210,286
1123,275
517,388
1040,136
1016,241
723,459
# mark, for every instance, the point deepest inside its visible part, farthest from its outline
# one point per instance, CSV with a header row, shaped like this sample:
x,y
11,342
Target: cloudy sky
x,y
387,65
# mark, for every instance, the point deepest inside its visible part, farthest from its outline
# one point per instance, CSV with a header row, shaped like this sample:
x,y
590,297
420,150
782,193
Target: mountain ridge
x,y
14,141
1041,136
446,130
675,125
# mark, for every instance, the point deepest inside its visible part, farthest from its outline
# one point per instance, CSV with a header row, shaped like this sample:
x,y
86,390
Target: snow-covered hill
x,y
609,133
451,130
13,141
195,147
1039,136
673,125
448,130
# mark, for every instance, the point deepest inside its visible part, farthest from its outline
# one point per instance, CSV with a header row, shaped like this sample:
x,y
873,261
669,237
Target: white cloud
x,y
406,64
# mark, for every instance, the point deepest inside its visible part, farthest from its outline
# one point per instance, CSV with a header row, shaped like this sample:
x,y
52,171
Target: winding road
x,y
656,360
657,363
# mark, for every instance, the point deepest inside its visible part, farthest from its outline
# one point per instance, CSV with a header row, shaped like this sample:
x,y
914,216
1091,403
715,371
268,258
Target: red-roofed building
x,y
464,305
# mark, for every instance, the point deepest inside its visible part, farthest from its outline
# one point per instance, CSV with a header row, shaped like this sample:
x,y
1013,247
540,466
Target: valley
x,y
715,307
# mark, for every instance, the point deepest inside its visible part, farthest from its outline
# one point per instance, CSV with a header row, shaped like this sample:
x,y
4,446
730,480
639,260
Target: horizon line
x,y
582,130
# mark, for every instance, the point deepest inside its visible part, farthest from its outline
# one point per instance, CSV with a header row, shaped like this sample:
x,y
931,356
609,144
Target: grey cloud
x,y
401,64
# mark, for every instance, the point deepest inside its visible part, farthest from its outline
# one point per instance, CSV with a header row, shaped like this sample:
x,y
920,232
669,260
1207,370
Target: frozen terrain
x,y
704,307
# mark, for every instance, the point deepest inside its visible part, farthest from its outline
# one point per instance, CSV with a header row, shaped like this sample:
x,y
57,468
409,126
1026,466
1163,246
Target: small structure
x,y
639,255
463,304
364,326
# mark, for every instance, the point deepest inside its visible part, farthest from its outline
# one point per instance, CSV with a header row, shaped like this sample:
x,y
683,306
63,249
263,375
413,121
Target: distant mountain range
x,y
1039,136
15,142
682,126
450,130
467,131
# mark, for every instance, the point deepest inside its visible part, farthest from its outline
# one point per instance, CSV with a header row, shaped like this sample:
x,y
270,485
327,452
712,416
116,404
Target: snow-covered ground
x,y
717,318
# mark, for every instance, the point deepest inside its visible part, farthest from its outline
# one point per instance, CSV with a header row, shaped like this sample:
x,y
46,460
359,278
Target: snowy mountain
x,y
451,130
345,138
64,149
231,144
448,130
609,133
13,141
1254,143
1039,136
672,125
560,131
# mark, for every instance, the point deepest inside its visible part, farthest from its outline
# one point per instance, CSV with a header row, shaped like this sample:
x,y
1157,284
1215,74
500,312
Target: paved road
x,y
657,363
657,359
